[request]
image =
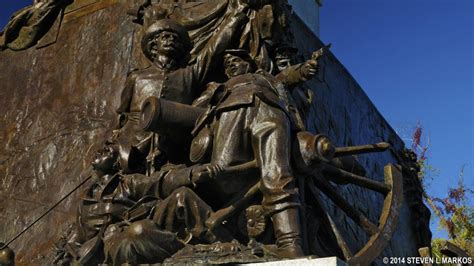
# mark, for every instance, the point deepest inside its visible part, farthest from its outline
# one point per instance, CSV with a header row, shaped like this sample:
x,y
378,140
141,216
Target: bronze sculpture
x,y
136,218
299,99
250,159
167,45
249,122
30,24
7,256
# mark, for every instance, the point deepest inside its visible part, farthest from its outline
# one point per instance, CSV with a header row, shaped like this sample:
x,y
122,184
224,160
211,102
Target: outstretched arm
x,y
296,74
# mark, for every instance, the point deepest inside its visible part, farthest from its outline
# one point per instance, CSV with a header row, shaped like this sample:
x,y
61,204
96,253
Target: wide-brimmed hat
x,y
165,25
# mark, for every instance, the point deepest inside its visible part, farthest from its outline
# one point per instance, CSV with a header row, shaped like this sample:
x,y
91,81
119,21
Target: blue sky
x,y
414,59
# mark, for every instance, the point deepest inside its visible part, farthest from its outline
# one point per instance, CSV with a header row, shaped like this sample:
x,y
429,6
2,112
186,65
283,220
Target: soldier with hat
x,y
167,45
249,120
284,55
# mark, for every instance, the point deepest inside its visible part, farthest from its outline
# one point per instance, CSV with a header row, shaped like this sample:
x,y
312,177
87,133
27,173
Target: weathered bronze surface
x,y
207,158
168,45
7,256
30,24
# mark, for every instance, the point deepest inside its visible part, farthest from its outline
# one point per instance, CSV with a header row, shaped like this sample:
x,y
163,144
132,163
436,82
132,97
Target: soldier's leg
x,y
232,146
271,141
232,142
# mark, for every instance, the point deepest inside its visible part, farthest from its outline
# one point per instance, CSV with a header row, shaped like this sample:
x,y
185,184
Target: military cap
x,y
242,53
285,50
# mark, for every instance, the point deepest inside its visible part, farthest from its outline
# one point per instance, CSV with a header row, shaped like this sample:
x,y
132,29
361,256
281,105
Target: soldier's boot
x,y
287,228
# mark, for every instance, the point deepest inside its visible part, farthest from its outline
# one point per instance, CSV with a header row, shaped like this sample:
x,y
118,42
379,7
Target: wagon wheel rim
x,y
391,189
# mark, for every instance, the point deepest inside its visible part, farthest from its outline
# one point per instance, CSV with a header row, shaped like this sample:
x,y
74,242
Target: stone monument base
x,y
234,253
329,261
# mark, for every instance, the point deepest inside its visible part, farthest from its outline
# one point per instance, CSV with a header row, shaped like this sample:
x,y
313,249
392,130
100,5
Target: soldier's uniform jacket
x,y
180,84
247,118
241,91
176,83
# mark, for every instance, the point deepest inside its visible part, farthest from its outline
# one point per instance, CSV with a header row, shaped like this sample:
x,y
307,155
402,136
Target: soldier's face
x,y
283,63
235,66
283,60
167,43
105,159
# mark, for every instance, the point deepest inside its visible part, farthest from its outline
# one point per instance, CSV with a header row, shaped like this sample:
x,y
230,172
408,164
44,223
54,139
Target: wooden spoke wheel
x,y
317,148
379,233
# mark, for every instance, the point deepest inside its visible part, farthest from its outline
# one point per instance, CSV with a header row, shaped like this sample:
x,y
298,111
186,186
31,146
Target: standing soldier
x,y
167,45
249,121
299,99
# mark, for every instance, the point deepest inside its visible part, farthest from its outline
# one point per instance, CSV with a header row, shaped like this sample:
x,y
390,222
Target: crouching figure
x,y
135,218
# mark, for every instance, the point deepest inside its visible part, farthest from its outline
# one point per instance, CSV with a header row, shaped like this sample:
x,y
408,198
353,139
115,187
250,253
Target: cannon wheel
x,y
380,235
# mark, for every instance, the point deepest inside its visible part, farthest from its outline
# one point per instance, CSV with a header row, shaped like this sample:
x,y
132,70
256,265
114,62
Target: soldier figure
x,y
299,99
136,218
167,45
249,121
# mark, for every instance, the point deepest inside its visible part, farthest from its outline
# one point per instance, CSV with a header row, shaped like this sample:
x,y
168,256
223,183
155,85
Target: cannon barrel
x,y
169,118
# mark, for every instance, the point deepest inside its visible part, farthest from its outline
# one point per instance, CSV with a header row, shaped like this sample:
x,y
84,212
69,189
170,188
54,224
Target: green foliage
x,y
456,215
436,245
455,211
